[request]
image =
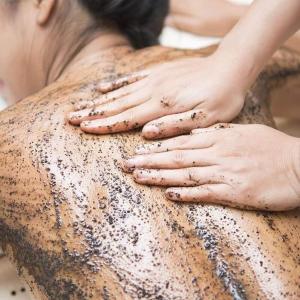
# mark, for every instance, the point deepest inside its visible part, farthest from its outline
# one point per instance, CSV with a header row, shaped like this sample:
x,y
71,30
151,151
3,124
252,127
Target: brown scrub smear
x,y
77,227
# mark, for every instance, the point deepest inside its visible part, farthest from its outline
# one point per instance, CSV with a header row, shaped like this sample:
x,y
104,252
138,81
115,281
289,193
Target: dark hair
x,y
140,20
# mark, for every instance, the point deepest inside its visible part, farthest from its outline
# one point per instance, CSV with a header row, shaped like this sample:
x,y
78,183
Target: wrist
x,y
239,76
241,69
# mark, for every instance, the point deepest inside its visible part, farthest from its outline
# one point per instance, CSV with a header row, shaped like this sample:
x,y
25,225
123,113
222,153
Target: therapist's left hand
x,y
246,166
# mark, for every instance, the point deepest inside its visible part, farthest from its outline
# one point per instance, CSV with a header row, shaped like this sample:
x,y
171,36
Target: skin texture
x,y
43,39
212,18
175,98
77,227
171,92
205,17
219,165
166,111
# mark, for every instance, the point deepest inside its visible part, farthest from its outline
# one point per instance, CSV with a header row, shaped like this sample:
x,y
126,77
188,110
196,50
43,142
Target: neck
x,y
69,58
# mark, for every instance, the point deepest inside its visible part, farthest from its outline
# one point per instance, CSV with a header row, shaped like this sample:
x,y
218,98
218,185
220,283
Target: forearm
x,y
250,44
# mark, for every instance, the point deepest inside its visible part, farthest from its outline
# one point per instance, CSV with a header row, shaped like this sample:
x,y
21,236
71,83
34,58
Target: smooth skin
x,y
212,18
219,165
178,97
205,17
30,59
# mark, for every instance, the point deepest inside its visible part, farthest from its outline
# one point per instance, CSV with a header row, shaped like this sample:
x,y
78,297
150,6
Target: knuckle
x,y
235,135
159,176
192,176
183,140
209,194
238,185
239,168
227,151
148,160
130,117
178,157
244,189
235,154
125,121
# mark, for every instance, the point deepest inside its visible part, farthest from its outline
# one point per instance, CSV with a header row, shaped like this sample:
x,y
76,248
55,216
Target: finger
x,y
215,127
83,104
106,110
125,121
207,193
184,142
179,177
110,97
220,194
105,87
75,118
175,124
172,160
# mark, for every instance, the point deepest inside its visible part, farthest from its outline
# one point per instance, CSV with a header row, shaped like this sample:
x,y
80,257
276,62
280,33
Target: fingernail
x,y
172,195
140,175
129,165
151,130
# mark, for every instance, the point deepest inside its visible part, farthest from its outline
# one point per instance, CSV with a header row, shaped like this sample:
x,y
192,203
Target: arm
x,y
177,97
257,36
248,166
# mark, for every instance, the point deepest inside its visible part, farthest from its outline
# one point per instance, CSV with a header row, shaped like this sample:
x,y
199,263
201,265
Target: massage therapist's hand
x,y
247,166
170,99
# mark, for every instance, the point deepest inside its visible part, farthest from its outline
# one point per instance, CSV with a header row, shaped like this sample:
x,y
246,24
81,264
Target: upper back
x,y
80,228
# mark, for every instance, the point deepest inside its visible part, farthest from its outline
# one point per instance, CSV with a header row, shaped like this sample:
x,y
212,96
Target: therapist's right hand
x,y
170,99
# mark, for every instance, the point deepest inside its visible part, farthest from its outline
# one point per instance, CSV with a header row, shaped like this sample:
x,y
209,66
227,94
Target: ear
x,y
45,10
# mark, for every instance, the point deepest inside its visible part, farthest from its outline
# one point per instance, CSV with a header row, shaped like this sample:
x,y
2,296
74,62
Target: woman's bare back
x,y
77,227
